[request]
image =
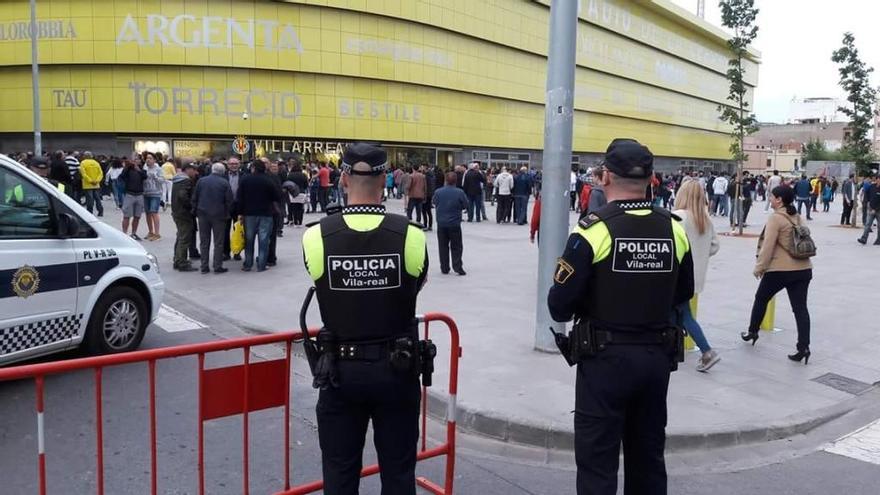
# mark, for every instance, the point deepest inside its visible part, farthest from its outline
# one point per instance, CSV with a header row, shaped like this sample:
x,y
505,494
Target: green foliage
x,y
855,79
815,150
739,16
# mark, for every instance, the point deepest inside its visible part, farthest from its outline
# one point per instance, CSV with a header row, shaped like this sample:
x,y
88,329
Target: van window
x,y
25,209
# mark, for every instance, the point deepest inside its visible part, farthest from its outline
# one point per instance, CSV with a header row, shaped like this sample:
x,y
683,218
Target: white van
x,y
66,278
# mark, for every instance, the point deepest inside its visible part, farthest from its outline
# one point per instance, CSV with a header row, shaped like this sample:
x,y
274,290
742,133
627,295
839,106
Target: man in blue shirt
x,y
450,201
522,188
802,190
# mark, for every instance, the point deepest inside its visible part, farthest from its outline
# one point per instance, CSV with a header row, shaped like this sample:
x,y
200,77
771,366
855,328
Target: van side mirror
x,y
68,225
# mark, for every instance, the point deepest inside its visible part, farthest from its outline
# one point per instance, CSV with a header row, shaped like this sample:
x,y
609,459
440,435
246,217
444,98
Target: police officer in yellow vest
x,y
40,166
368,267
624,269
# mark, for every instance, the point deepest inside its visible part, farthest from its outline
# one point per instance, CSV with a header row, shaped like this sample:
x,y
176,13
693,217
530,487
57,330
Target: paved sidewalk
x,y
510,392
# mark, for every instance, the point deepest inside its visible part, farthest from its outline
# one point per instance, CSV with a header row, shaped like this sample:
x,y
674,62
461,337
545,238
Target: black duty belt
x,y
356,351
619,337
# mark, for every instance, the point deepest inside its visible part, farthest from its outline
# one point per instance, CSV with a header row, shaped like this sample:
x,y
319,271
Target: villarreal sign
x,y
240,145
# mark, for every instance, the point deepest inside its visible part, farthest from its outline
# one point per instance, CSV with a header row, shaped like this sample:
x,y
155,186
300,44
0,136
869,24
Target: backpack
x,y
802,245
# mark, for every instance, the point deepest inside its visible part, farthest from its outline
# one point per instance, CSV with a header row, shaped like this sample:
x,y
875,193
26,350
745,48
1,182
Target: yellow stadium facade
x,y
439,81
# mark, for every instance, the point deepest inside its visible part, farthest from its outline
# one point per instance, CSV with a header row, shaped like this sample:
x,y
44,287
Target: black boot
x,y
802,353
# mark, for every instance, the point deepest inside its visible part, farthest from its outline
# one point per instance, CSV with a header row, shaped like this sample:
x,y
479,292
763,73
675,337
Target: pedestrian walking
x,y
59,172
872,205
212,205
169,170
371,315
323,186
772,183
450,201
153,196
133,178
298,201
92,175
522,189
182,186
827,197
472,184
691,208
278,207
257,195
864,196
111,178
504,185
778,269
430,187
71,159
623,347
416,192
847,190
802,190
719,195
597,191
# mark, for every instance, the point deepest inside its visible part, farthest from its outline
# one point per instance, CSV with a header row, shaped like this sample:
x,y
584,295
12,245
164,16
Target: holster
x,y
673,343
579,344
427,353
325,373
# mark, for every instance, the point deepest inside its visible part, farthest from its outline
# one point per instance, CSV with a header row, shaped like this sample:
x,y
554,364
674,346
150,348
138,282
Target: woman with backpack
x,y
784,251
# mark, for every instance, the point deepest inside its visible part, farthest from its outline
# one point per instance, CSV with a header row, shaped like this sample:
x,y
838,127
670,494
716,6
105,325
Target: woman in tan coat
x,y
778,270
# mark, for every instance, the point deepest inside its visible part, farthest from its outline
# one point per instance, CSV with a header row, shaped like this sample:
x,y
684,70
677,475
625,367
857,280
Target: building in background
x,y
436,81
816,110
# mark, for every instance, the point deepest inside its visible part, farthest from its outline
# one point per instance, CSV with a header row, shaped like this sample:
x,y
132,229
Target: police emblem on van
x,y
364,272
643,255
25,281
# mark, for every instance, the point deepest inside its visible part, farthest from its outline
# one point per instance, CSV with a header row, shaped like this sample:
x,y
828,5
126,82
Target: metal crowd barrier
x,y
229,391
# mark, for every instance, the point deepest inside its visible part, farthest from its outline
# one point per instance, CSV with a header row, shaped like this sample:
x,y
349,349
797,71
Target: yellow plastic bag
x,y
236,242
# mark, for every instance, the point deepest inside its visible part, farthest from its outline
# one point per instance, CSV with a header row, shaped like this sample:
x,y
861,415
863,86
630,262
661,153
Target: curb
x,y
523,432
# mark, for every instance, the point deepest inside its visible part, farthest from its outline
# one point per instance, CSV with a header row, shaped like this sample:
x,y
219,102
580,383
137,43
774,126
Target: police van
x,y
66,278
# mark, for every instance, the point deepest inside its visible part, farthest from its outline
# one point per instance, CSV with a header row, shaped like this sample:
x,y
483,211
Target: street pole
x,y
558,116
35,76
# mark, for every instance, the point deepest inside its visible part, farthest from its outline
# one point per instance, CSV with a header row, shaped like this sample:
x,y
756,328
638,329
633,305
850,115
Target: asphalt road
x,y
482,466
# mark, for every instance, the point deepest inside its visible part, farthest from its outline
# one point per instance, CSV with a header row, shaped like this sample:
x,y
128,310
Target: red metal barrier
x,y
228,391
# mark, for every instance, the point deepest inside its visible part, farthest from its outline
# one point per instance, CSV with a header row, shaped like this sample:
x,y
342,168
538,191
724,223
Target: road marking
x,y
171,320
863,444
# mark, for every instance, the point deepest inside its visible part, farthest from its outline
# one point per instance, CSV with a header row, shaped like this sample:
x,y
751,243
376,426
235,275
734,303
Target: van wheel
x,y
118,322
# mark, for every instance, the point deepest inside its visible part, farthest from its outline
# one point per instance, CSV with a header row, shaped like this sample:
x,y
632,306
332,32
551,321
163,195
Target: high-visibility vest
x,y
16,193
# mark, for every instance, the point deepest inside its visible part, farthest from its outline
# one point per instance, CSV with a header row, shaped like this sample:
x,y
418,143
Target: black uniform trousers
x,y
369,391
620,396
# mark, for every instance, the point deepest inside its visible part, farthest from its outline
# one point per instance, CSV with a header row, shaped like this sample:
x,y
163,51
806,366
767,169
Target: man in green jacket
x,y
182,186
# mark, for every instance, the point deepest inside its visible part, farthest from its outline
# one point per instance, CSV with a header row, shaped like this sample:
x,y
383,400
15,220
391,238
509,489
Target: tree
x,y
738,16
855,79
815,150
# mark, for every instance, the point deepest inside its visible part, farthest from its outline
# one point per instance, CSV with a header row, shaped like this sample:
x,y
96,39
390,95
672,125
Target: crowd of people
x,y
144,183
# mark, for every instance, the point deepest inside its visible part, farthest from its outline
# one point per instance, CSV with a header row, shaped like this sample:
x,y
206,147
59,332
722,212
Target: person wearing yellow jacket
x,y
91,173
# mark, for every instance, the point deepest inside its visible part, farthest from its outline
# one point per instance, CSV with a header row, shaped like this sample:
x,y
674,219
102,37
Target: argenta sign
x,y
189,31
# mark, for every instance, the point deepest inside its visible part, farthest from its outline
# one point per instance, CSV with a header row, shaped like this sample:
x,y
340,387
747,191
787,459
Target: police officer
x,y
39,166
623,270
368,268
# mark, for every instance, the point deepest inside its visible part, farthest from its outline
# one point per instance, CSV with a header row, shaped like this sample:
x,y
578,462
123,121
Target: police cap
x,y
629,158
39,162
372,155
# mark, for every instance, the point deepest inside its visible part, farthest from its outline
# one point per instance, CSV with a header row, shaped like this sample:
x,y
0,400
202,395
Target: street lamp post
x,y
558,118
35,76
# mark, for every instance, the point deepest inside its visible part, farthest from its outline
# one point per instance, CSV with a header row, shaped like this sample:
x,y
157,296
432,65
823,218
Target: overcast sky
x,y
796,38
